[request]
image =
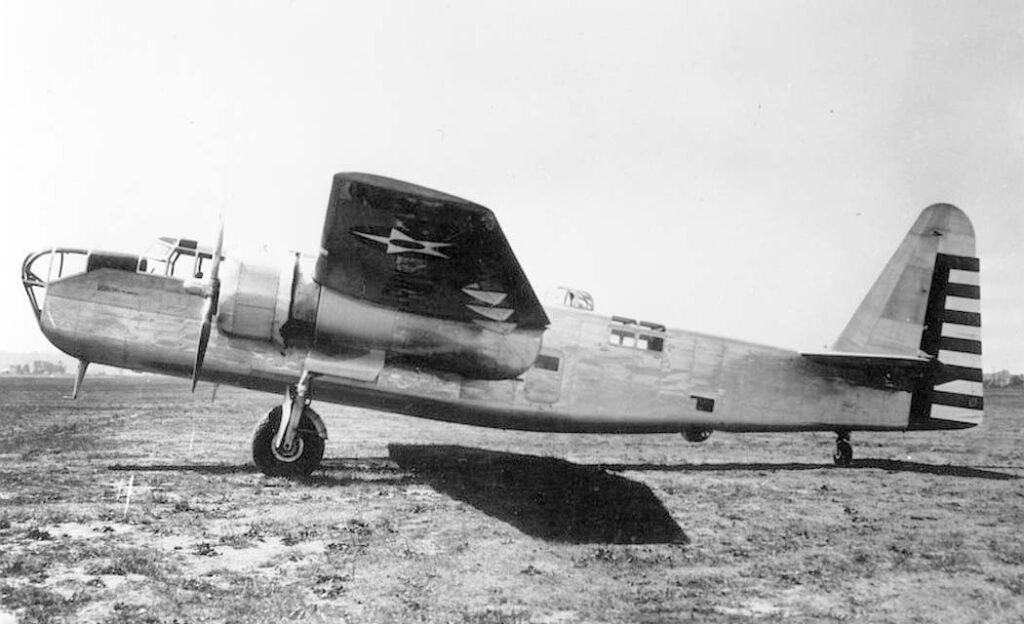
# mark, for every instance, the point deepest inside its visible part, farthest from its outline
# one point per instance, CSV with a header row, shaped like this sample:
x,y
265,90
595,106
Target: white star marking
x,y
400,242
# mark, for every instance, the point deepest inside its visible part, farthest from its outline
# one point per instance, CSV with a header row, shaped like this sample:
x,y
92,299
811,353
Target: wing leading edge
x,y
420,251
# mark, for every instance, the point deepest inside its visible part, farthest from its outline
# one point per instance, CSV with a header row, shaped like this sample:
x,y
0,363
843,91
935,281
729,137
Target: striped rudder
x,y
952,334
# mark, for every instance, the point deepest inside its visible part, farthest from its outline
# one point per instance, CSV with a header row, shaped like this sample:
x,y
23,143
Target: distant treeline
x,y
38,367
1003,379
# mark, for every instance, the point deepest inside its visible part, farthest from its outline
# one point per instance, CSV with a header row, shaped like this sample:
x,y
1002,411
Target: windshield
x,y
177,257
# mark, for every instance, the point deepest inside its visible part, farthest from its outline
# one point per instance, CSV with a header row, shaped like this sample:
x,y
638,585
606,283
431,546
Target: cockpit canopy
x,y
572,298
176,257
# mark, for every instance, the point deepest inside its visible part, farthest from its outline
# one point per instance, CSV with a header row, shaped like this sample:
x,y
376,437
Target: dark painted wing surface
x,y
424,252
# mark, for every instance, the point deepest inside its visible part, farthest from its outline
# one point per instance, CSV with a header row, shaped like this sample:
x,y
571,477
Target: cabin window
x,y
645,342
652,343
620,336
547,362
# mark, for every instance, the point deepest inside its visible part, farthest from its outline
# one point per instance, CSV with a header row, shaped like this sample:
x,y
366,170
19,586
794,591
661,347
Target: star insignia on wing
x,y
398,242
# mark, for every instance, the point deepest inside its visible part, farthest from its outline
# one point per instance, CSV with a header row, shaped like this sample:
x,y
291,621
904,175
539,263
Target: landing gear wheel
x,y
843,455
297,461
696,435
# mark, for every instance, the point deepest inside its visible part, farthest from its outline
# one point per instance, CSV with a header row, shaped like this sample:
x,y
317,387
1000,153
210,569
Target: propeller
x,y
209,308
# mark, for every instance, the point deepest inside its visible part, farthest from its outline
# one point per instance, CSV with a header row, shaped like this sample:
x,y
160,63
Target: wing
x,y
424,252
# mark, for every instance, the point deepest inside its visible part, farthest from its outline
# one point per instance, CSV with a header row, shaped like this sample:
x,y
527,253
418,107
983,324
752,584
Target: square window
x,y
653,343
622,337
547,362
704,404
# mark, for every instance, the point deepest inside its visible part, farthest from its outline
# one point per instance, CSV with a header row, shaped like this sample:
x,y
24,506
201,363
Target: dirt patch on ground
x,y
417,521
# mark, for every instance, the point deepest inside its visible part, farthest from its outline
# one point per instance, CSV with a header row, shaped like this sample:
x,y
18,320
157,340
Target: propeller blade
x,y
204,339
217,251
210,309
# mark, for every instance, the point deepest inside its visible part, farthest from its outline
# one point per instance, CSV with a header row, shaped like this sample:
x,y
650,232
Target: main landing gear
x,y
696,435
289,440
843,455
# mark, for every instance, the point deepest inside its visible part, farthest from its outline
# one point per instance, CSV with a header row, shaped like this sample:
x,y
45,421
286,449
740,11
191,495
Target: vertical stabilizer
x,y
927,302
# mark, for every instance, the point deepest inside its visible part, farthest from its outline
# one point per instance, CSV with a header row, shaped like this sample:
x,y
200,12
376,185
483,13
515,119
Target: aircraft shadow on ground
x,y
544,497
336,471
200,468
380,465
891,465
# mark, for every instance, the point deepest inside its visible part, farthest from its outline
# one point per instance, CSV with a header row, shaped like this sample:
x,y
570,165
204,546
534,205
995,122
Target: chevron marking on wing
x,y
489,297
495,314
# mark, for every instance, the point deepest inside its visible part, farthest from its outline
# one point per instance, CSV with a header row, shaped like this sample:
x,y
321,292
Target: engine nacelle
x,y
465,348
276,300
273,299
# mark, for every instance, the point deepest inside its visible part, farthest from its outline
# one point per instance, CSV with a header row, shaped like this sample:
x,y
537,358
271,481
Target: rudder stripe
x,y
957,400
966,291
958,317
952,373
960,263
962,345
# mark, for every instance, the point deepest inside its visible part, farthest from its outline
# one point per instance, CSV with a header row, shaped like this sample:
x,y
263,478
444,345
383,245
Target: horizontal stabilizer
x,y
868,360
898,372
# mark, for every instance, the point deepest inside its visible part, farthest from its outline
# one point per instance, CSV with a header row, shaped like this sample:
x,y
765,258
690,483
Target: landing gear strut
x,y
843,455
289,440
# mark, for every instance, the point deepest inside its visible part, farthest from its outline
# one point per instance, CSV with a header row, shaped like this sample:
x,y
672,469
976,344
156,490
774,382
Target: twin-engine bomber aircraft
x,y
417,305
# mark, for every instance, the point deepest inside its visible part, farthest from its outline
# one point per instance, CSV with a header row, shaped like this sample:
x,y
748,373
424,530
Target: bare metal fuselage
x,y
148,323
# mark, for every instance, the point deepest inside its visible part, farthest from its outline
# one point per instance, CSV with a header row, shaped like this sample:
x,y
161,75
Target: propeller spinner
x,y
209,308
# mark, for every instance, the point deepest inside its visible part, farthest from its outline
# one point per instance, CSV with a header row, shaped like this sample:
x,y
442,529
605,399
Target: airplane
x,y
416,304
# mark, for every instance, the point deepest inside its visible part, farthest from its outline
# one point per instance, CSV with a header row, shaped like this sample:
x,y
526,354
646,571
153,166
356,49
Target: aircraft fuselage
x,y
595,374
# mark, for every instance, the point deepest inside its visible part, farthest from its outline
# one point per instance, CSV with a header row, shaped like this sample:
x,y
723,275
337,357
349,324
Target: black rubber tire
x,y
697,435
304,462
843,455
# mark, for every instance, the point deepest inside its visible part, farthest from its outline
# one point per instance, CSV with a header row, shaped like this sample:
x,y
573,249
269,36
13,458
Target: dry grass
x,y
414,521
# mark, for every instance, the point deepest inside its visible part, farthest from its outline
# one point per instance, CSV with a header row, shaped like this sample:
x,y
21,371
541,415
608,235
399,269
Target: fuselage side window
x,y
620,336
547,362
653,343
623,333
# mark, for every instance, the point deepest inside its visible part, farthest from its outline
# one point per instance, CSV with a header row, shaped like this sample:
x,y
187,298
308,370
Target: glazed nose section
x,y
44,274
43,267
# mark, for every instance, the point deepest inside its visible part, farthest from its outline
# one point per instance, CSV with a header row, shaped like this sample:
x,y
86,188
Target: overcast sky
x,y
738,168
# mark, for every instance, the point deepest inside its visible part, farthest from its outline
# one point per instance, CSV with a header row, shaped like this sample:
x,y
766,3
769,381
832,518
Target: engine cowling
x,y
255,297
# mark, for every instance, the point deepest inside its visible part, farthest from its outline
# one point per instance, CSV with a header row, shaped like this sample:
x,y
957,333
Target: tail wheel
x,y
843,455
298,461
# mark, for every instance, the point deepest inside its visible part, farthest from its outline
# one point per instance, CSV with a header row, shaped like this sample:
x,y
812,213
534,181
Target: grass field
x,y
413,521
